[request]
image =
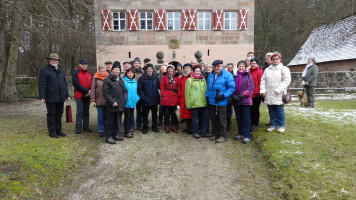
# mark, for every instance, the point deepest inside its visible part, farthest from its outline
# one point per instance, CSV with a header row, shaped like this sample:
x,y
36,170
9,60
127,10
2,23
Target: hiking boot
x,y
237,137
60,133
167,129
139,128
246,140
281,130
255,127
174,129
110,141
53,135
220,140
118,138
155,130
144,131
88,130
196,136
270,129
78,132
101,134
128,135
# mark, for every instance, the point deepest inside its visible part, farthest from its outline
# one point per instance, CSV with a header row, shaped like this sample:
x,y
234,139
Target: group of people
x,y
202,93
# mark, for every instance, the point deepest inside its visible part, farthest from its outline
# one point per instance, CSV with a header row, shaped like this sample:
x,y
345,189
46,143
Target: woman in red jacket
x,y
170,98
184,112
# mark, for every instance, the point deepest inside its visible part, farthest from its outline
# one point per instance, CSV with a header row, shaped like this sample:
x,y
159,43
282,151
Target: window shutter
x,y
189,19
105,20
243,20
160,19
132,20
218,20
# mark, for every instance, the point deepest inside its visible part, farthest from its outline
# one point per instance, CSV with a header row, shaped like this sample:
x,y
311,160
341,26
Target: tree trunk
x,y
8,86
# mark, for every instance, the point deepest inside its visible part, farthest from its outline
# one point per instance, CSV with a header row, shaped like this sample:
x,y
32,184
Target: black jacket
x,y
147,89
114,91
52,85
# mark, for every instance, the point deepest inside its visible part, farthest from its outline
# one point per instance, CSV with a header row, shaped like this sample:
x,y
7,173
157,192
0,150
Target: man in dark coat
x,y
52,90
147,89
115,93
81,80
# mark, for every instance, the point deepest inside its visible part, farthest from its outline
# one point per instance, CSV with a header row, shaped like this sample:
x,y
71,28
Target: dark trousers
x,y
229,110
129,113
82,116
161,113
54,117
310,92
200,115
218,120
170,116
113,124
139,113
243,118
255,110
145,111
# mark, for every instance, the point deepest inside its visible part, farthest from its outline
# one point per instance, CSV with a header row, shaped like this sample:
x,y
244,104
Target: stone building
x,y
332,45
220,29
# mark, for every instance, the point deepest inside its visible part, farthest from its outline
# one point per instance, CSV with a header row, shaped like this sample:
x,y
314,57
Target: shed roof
x,y
331,42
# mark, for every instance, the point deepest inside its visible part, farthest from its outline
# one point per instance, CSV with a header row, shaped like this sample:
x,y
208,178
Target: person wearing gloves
x,y
242,101
115,93
53,91
148,86
256,74
81,80
274,84
184,112
169,87
97,99
221,85
195,100
132,99
310,80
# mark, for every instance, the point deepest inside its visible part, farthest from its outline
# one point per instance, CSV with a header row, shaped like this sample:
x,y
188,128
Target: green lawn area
x,y
315,157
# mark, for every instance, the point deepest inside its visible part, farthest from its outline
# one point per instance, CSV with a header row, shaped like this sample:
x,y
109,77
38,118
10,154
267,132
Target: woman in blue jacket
x,y
131,86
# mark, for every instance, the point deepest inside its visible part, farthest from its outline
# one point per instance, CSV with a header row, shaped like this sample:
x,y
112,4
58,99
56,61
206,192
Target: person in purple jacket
x,y
242,101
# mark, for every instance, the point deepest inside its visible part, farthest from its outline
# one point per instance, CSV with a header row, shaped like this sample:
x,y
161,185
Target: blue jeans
x,y
276,114
82,116
101,117
243,118
200,115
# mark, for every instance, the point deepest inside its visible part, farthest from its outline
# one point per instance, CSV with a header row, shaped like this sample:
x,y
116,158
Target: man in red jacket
x,y
256,74
81,80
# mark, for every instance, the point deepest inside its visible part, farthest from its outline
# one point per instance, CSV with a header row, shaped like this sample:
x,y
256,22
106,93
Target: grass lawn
x,y
315,157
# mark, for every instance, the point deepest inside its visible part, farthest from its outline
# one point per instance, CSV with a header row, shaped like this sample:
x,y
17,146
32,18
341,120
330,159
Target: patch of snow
x,y
329,97
299,152
344,191
314,194
290,142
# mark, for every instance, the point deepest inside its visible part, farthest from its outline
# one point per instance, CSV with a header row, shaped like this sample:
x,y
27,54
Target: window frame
x,y
146,20
230,19
119,20
204,21
174,19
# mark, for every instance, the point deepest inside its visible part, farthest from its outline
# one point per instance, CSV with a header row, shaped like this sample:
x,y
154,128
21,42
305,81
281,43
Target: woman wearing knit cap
x,y
115,93
170,98
274,84
195,100
184,112
97,99
310,80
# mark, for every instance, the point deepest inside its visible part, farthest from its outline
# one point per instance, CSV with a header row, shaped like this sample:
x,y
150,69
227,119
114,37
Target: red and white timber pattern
x,y
132,19
190,19
105,20
218,19
160,18
243,20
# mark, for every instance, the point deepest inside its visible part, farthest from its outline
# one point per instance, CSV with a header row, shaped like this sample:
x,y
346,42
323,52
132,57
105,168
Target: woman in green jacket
x,y
195,100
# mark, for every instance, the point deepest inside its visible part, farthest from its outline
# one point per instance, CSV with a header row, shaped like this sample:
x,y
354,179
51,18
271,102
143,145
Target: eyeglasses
x,y
275,59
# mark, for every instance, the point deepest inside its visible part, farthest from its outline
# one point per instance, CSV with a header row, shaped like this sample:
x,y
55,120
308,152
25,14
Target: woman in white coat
x,y
274,83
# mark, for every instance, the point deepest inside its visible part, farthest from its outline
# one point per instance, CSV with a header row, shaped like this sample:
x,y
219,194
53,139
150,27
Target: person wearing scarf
x,y
97,99
169,87
242,101
310,80
274,84
195,100
185,114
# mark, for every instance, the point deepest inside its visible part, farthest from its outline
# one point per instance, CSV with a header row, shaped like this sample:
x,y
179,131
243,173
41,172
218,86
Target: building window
x,y
230,20
204,20
146,20
173,19
119,21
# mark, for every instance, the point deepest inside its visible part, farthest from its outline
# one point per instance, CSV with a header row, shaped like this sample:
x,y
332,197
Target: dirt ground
x,y
164,166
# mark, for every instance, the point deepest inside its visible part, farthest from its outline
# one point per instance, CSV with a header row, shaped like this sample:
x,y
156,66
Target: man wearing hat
x,y
52,90
138,73
221,85
81,80
108,65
